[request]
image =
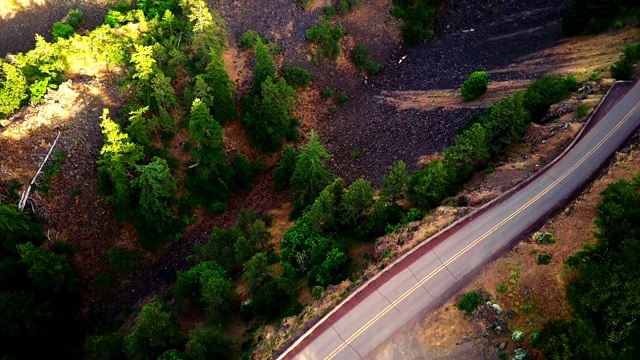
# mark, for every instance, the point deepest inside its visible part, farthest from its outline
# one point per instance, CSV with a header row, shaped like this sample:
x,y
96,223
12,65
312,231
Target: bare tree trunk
x,y
25,194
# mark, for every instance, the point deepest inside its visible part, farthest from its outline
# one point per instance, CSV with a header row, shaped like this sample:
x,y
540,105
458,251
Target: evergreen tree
x,y
271,117
48,271
310,176
284,171
264,67
394,185
220,90
117,164
158,190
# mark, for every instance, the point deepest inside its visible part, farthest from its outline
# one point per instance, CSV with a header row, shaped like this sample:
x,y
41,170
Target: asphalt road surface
x,y
424,279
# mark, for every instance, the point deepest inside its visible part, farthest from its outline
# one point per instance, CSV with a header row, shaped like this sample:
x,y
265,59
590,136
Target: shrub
x,y
74,18
327,93
360,56
469,302
326,36
274,299
545,238
296,76
245,172
581,111
209,343
622,69
122,261
115,18
474,86
104,347
544,259
62,31
542,93
589,16
632,52
105,282
342,97
502,288
13,90
418,17
248,39
517,336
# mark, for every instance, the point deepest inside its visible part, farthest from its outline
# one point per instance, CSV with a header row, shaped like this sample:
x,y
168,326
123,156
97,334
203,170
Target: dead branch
x,y
25,194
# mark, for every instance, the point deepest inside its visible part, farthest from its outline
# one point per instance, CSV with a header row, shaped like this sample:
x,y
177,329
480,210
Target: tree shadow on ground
x,y
18,25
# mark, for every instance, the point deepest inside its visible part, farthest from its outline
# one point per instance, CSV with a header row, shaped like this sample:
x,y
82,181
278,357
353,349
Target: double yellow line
x,y
478,240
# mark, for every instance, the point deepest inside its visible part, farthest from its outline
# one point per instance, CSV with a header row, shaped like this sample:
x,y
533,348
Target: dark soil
x,y
470,36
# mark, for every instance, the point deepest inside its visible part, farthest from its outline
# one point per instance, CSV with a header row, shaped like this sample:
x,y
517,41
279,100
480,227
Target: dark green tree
x,y
264,67
256,271
218,295
286,166
270,117
357,201
310,176
209,343
429,186
394,184
470,151
506,122
157,190
220,91
155,332
48,271
104,347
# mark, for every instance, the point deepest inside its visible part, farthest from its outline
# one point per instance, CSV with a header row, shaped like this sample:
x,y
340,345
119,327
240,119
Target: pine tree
x,y
158,190
272,115
394,185
310,176
221,89
208,133
264,67
116,165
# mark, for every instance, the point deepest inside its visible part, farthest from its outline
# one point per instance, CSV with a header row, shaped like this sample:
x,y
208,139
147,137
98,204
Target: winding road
x,y
423,279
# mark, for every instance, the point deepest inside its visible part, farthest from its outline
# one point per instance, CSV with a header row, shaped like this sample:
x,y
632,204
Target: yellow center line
x,y
478,240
